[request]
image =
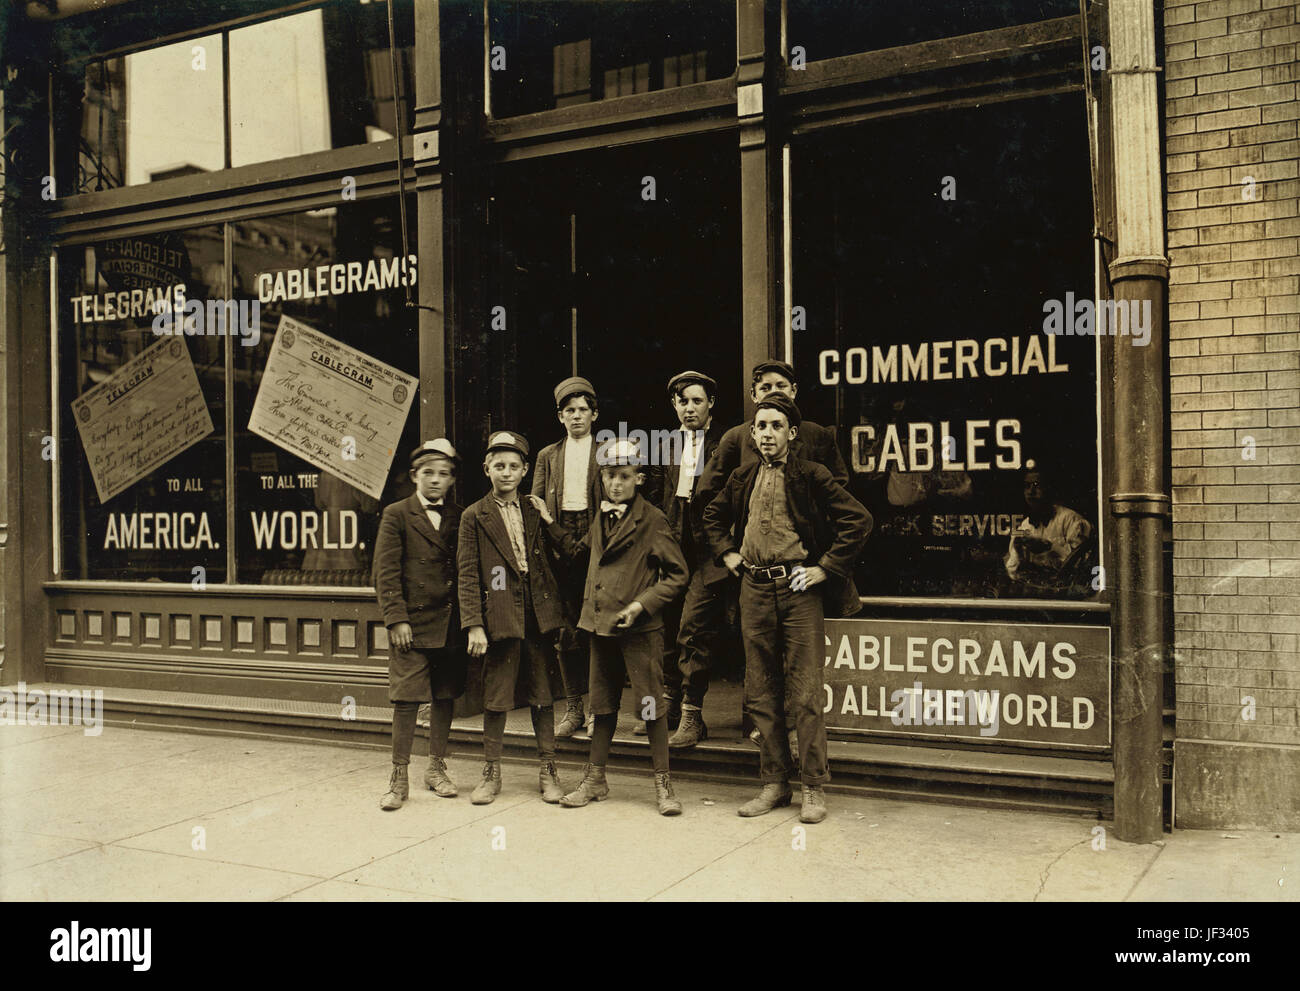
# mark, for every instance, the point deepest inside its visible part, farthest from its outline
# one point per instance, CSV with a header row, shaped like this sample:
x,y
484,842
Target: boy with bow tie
x,y
634,570
509,605
415,581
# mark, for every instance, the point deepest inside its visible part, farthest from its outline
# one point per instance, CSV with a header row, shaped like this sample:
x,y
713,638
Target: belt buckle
x,y
772,572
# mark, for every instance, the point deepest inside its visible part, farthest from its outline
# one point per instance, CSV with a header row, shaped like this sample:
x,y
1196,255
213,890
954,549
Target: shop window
x,y
830,28
307,82
641,288
322,434
928,253
556,53
142,465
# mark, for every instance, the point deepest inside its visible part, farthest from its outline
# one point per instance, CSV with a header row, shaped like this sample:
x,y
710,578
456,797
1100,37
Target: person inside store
x,y
634,570
414,575
1050,550
705,609
690,636
510,610
792,534
568,482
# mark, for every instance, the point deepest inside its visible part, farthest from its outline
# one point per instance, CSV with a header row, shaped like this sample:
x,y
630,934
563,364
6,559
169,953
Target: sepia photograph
x,y
744,451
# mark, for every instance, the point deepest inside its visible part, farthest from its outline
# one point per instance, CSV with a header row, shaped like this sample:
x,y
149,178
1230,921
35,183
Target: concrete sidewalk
x,y
136,815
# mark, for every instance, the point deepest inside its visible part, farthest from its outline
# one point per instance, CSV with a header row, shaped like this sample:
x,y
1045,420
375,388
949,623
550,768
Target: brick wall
x,y
1234,356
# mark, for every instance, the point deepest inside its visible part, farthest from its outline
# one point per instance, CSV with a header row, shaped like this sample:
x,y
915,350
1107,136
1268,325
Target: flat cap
x,y
782,404
569,386
772,365
439,447
508,440
683,379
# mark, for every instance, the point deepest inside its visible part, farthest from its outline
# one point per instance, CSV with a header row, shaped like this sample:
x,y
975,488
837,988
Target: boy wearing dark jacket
x,y
415,581
635,569
509,606
786,526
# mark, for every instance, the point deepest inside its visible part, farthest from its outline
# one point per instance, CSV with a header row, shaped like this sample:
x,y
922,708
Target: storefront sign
x,y
332,405
994,681
146,413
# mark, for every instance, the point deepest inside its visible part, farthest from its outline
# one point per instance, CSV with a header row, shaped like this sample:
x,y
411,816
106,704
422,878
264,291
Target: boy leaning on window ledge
x,y
792,534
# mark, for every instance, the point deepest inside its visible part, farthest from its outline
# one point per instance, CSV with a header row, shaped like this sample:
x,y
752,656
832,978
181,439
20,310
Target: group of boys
x,y
617,554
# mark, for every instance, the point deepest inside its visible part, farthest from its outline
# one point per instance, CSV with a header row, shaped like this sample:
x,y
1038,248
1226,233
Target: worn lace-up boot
x,y
490,787
592,788
399,789
668,803
438,780
548,783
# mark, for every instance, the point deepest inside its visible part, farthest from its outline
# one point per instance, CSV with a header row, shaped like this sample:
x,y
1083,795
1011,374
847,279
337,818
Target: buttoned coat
x,y
415,570
490,583
831,524
640,562
661,489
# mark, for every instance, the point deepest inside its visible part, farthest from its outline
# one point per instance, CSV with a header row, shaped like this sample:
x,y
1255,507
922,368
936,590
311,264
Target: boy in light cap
x,y
509,605
634,570
415,580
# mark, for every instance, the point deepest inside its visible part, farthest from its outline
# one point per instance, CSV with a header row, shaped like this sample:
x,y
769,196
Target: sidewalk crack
x,y
1042,876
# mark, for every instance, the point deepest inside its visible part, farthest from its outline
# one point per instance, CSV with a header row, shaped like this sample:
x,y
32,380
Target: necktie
x,y
615,509
435,514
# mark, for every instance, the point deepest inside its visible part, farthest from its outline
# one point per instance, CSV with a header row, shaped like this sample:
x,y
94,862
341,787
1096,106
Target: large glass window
x,y
321,435
830,28
142,465
643,282
307,82
555,53
928,253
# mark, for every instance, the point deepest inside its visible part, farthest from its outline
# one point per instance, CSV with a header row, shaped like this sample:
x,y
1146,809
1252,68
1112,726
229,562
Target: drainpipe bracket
x,y
1141,504
1139,267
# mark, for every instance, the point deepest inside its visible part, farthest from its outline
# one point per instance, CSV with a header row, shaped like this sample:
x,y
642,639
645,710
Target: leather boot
x,y
691,730
668,803
548,783
773,796
399,789
587,728
814,804
490,787
573,718
593,788
437,779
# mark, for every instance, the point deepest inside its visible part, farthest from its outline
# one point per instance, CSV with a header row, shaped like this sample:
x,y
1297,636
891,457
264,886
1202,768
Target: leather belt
x,y
772,573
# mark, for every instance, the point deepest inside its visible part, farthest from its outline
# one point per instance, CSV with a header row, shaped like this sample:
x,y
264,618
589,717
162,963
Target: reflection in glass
x,y
561,52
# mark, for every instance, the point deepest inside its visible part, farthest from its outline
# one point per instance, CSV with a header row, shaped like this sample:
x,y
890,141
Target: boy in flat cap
x,y
785,526
691,628
415,580
567,481
634,570
811,442
509,605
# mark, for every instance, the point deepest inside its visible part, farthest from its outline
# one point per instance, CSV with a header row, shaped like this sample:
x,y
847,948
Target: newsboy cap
x,y
570,386
620,451
439,447
507,440
782,404
772,365
683,379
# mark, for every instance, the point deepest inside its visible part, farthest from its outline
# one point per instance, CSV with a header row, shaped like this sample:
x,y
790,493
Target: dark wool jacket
x,y
832,525
415,571
640,561
486,561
